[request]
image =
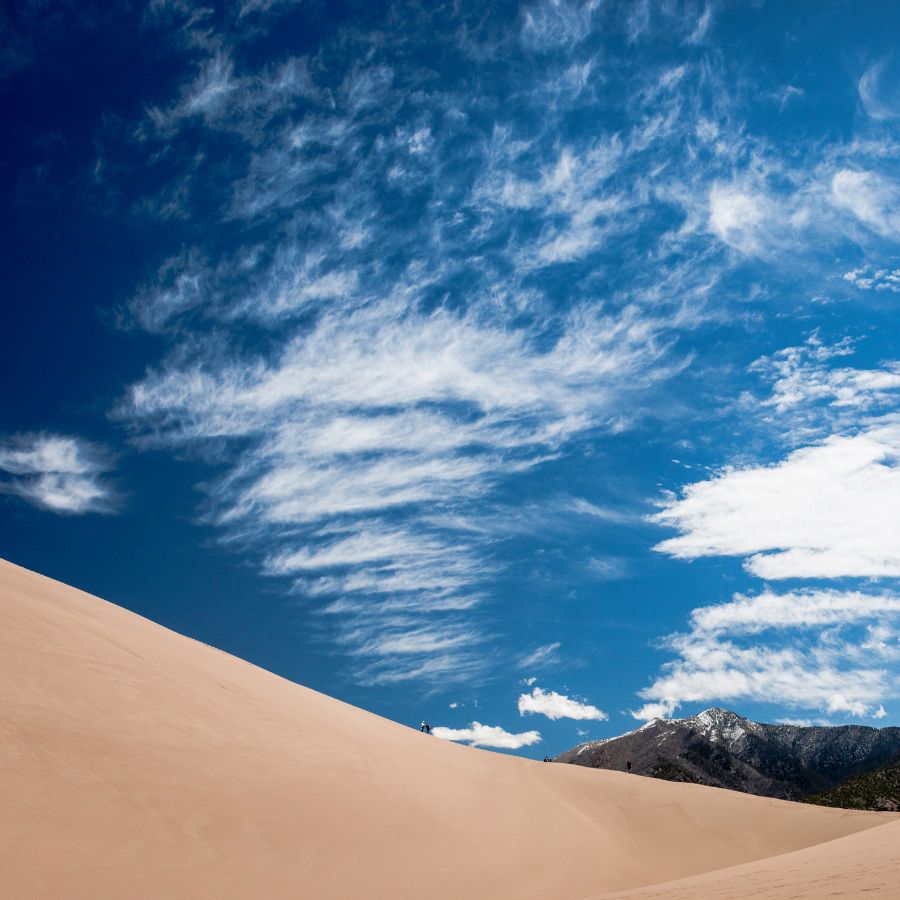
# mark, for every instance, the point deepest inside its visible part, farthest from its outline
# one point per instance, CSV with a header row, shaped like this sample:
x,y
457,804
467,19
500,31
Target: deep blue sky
x,y
455,354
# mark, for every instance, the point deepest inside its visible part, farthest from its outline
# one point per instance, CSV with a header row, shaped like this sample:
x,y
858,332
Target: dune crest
x,y
141,763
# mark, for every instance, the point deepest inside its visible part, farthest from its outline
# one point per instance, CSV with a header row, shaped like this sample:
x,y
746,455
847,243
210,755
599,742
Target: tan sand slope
x,y
140,763
865,864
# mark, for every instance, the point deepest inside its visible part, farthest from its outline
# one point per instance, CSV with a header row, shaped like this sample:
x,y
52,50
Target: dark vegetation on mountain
x,y
831,765
878,790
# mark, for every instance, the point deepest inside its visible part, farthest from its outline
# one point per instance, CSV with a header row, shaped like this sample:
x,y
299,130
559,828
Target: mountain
x,y
878,790
722,749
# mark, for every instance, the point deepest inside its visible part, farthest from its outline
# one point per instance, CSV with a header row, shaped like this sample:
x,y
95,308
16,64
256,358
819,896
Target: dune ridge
x,y
141,763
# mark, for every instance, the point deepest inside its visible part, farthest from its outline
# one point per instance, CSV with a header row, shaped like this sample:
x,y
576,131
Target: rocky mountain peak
x,y
719,747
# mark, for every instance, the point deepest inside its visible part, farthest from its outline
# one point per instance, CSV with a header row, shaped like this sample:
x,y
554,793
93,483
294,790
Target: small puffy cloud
x,y
826,511
805,375
870,278
57,473
557,706
872,198
478,735
661,710
750,218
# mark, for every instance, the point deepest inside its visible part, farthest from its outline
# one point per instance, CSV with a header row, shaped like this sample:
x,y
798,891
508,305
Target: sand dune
x,y
140,763
865,864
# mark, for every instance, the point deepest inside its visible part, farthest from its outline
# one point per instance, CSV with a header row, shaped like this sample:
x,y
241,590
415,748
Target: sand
x,y
140,763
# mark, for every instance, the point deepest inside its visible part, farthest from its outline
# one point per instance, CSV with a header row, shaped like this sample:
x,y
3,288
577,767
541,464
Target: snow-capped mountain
x,y
723,749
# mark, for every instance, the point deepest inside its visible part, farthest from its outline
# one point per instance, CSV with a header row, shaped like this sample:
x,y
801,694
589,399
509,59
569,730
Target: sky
x,y
530,369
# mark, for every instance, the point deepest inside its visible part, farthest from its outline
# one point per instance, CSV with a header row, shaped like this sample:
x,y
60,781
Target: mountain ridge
x,y
720,748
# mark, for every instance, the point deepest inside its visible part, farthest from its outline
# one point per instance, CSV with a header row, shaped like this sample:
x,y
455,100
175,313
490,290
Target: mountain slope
x,y
140,763
878,790
722,749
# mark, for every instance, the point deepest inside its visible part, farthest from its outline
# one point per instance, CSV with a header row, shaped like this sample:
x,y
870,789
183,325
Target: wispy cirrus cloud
x,y
384,412
414,288
61,474
878,93
546,654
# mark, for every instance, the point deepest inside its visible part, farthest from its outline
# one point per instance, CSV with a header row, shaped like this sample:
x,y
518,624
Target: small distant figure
x,y
628,766
547,759
427,728
422,727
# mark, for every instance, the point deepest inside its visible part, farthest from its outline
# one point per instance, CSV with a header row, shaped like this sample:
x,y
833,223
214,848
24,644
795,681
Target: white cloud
x,y
720,670
361,548
876,100
825,511
702,27
546,654
785,94
383,356
799,609
868,278
608,568
572,198
57,473
738,217
177,288
552,24
804,375
751,219
873,198
382,412
478,735
662,710
208,95
557,706
803,648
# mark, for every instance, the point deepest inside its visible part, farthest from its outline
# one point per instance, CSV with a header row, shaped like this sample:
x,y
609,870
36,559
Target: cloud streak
x,y
61,474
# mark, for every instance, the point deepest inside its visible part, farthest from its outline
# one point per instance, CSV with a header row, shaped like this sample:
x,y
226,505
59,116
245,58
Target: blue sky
x,y
527,368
